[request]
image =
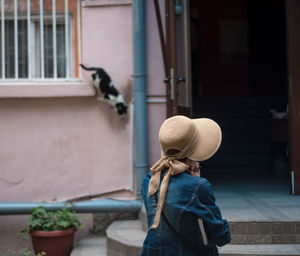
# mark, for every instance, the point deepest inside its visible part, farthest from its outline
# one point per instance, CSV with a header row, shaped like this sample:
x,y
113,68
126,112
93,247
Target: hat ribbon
x,y
174,167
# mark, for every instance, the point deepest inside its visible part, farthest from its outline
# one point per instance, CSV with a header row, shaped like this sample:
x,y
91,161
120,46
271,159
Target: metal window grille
x,y
37,40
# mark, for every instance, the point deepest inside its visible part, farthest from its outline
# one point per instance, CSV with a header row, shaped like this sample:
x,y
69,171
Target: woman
x,y
181,210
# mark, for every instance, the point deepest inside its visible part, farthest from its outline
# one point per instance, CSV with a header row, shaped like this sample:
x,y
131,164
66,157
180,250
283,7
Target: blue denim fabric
x,y
188,199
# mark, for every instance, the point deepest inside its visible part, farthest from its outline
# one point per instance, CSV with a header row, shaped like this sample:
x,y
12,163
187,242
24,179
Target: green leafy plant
x,y
44,220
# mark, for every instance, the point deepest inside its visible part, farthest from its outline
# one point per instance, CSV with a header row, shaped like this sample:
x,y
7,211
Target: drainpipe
x,y
139,76
91,206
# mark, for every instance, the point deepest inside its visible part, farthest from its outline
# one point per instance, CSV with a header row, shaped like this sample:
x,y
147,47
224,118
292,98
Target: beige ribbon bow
x,y
174,167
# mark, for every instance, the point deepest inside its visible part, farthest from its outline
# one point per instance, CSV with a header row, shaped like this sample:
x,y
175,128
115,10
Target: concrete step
x,y
265,232
260,250
125,238
257,232
91,246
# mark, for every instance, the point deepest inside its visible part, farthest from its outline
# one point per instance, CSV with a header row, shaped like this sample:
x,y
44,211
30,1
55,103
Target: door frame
x,y
293,60
169,48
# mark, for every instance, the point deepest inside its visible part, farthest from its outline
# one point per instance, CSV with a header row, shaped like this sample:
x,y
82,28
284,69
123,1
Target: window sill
x,y
95,3
46,90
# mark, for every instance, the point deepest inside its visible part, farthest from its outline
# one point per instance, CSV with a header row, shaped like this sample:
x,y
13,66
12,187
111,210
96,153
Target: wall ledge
x,y
94,3
45,89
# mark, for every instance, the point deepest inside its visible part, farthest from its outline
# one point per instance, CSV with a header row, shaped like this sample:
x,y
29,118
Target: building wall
x,y
60,142
65,147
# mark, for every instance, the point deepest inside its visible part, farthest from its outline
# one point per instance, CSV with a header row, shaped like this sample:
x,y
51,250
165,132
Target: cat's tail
x,y
89,69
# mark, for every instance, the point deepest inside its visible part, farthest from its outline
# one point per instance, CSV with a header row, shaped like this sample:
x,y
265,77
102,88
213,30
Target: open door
x,y
178,58
293,42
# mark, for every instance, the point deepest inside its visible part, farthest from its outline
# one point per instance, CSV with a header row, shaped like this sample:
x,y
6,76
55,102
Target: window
x,y
25,54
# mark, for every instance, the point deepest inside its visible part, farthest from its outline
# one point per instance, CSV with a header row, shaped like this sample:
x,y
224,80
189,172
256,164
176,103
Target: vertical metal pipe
x,y
79,35
16,39
54,39
131,148
29,60
67,39
42,38
3,38
139,75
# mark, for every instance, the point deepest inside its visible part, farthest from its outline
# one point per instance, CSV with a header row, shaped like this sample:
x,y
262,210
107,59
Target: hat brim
x,y
210,137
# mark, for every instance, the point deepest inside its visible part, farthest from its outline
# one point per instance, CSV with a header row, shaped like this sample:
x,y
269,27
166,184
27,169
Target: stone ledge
x,y
45,89
95,3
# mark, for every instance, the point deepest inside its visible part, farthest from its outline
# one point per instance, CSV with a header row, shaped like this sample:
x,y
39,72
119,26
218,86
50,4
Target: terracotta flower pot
x,y
53,243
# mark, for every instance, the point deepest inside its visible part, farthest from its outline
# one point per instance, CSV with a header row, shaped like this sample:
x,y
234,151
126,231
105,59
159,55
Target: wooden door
x,y
293,53
178,58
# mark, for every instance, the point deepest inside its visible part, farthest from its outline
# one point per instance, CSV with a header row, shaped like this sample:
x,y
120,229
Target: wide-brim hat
x,y
198,139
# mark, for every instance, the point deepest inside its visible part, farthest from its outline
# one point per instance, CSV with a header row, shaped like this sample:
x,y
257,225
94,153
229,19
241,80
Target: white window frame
x,y
34,63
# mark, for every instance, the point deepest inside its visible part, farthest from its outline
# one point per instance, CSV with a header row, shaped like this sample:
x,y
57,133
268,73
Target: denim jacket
x,y
190,208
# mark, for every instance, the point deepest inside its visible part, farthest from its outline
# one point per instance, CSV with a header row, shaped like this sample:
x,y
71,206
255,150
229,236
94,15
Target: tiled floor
x,y
255,198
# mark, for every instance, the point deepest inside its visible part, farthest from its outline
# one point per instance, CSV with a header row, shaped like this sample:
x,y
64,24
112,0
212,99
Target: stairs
x,y
125,238
263,216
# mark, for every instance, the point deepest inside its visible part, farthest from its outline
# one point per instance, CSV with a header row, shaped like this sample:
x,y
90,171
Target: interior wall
x,y
211,75
239,48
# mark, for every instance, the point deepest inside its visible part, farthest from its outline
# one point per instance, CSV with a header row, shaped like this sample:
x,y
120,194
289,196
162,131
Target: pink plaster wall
x,y
61,148
73,146
67,147
107,41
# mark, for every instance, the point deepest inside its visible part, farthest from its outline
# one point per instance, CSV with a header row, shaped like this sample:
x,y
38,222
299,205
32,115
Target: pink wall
x,y
65,147
47,143
56,148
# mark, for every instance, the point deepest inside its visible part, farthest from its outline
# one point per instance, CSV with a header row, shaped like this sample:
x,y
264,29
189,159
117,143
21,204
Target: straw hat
x,y
181,137
198,139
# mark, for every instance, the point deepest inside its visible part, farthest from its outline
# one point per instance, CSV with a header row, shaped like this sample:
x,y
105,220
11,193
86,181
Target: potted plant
x,y
52,232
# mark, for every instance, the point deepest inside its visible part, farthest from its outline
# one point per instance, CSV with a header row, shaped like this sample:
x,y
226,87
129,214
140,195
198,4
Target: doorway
x,y
239,79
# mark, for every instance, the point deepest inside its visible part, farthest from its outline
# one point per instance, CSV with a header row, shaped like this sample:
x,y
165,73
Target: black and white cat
x,y
103,84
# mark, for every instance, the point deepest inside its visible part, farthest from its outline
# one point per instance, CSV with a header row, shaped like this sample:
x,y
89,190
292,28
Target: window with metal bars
x,y
37,43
